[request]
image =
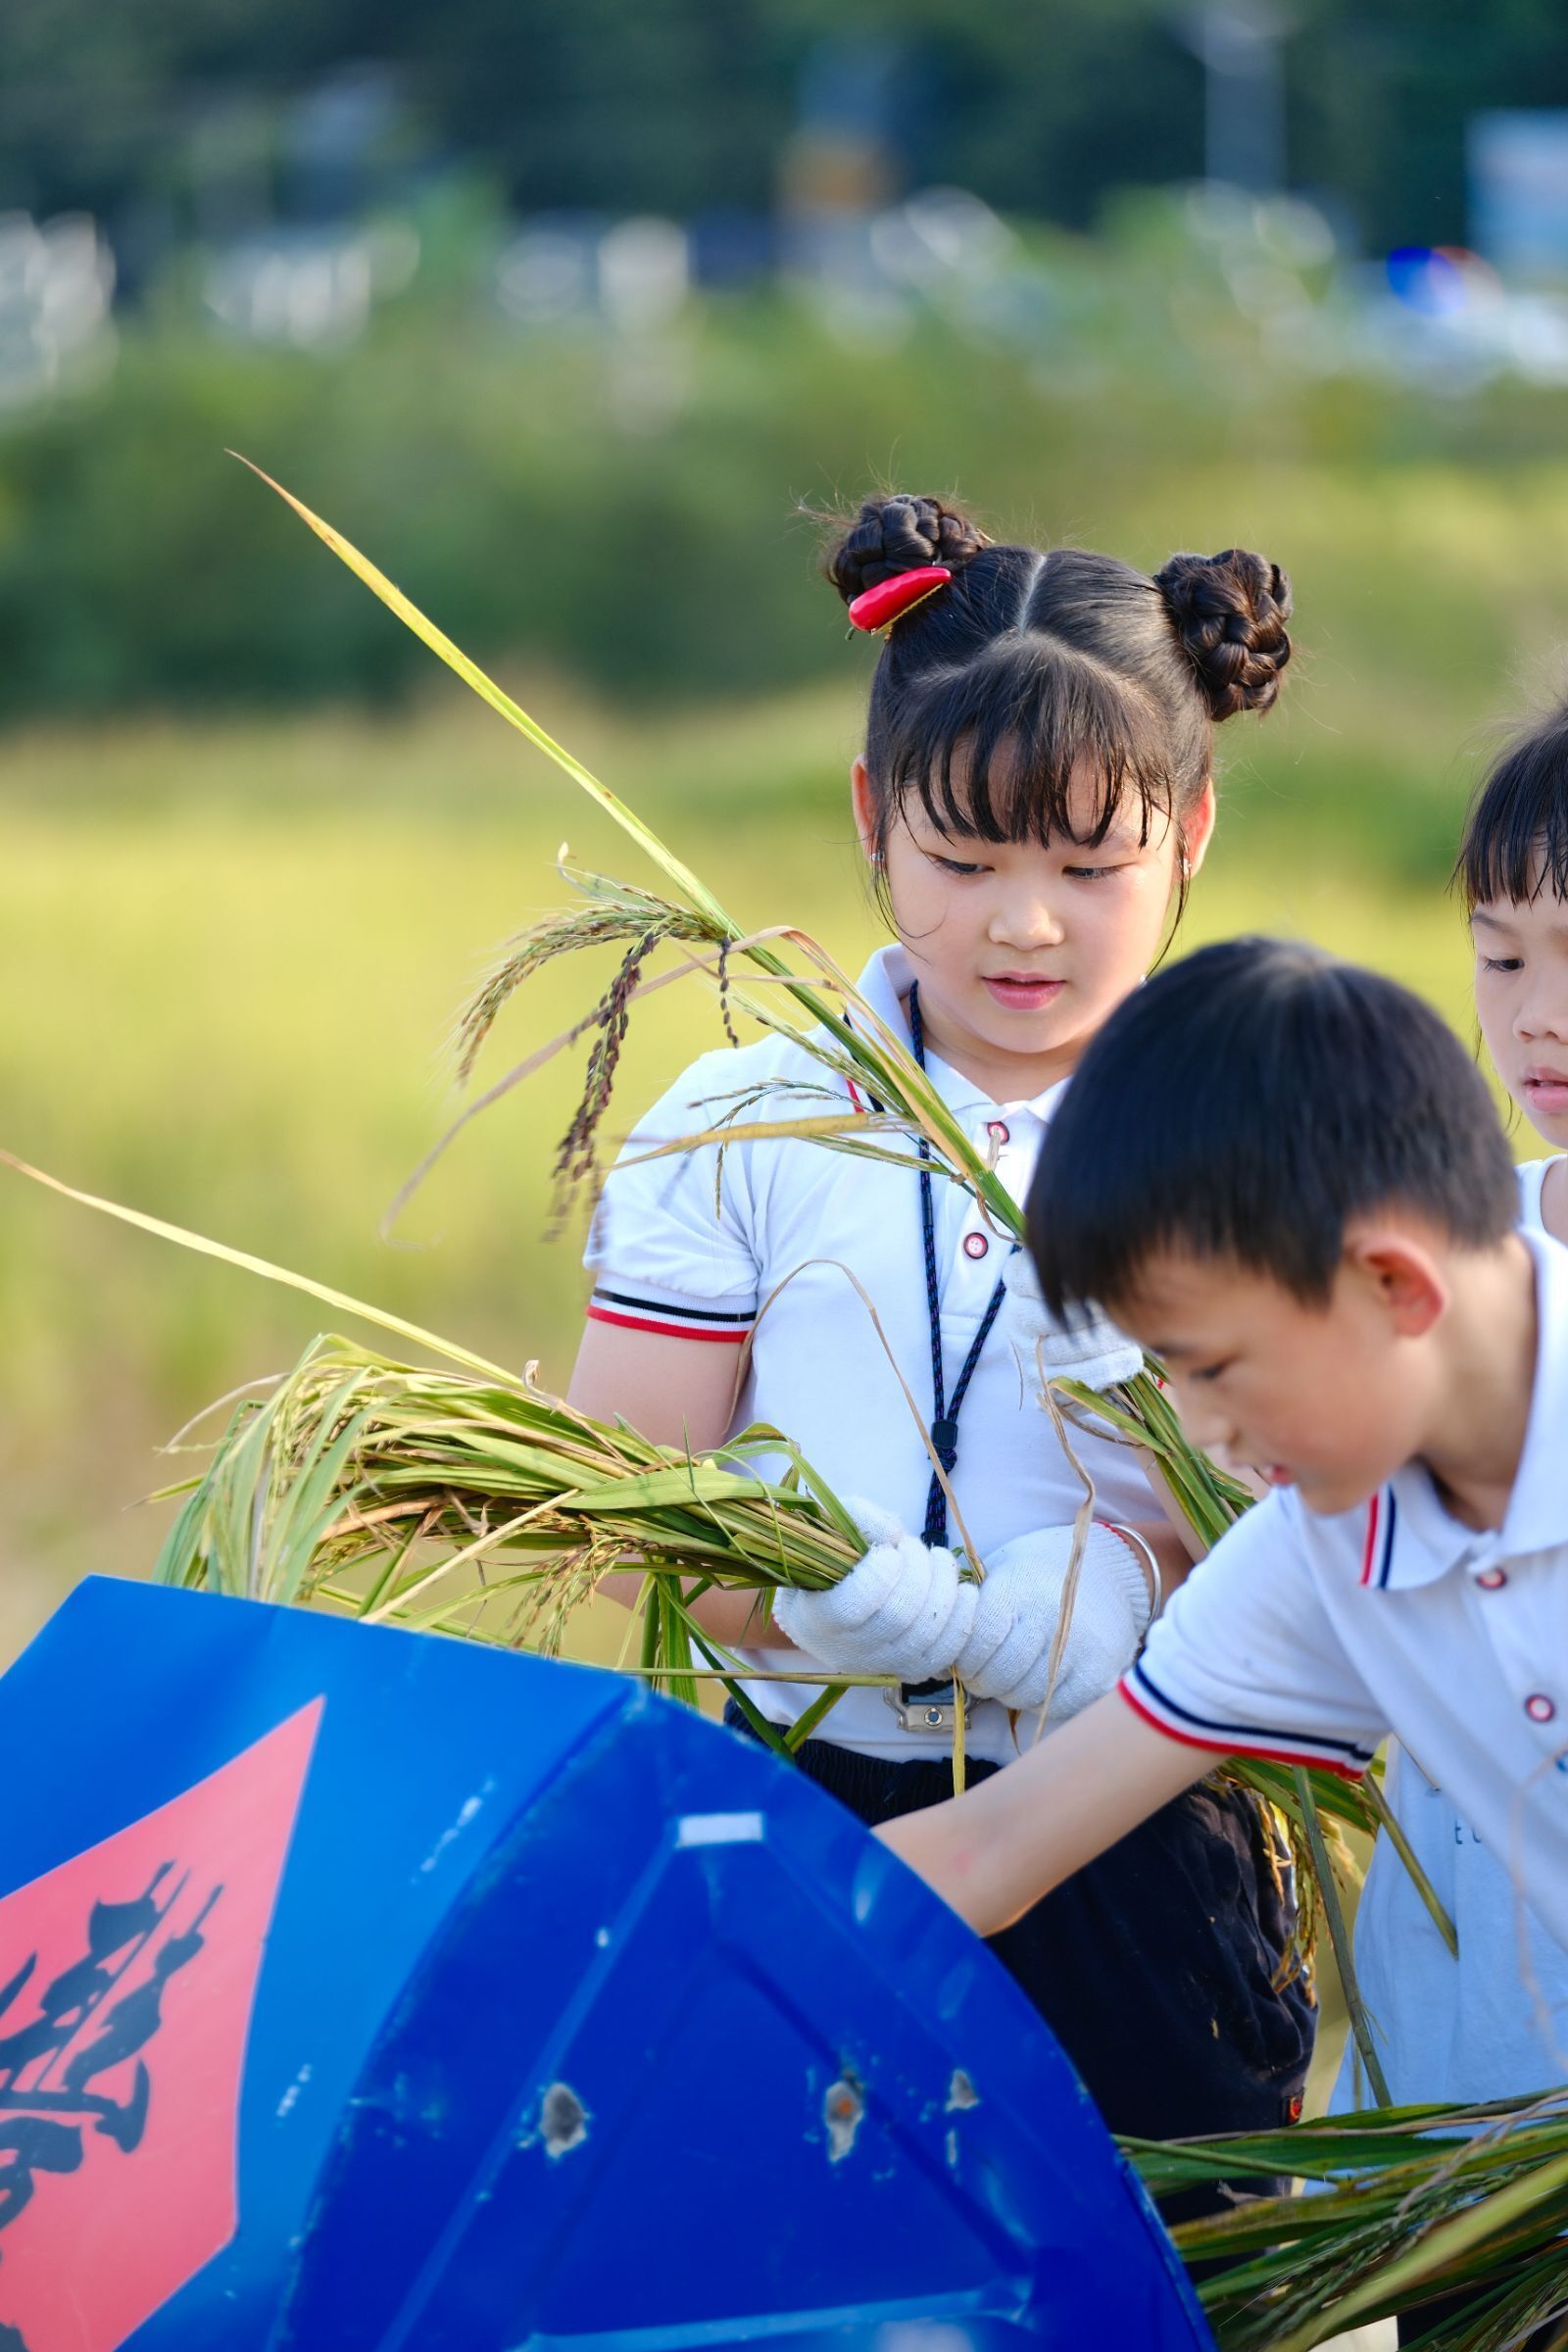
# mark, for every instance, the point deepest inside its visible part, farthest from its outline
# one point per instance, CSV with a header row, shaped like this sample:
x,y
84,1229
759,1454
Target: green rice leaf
x,y
489,691
242,1259
1462,2235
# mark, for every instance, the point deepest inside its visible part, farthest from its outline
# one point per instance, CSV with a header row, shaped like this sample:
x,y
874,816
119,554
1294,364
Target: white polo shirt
x,y
1492,2021
685,1246
1311,1639
1532,1175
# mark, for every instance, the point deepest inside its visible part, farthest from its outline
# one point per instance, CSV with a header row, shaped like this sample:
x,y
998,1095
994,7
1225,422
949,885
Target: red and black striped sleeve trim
x,y
670,1318
1348,1757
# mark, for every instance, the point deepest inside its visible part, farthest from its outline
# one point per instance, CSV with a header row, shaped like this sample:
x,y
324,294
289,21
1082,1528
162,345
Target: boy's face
x,y
1330,1399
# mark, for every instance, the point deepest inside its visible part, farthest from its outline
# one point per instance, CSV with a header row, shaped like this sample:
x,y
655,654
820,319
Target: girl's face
x,y
1522,1003
1023,952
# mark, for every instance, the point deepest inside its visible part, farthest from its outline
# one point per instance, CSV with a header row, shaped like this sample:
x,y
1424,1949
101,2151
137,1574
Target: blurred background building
x,y
413,219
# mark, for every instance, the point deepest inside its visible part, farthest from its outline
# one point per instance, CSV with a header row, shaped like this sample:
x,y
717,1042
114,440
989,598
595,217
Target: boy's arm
x,y
995,1851
1246,1650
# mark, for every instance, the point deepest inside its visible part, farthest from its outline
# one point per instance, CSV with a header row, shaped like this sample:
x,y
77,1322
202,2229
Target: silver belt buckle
x,y
928,1710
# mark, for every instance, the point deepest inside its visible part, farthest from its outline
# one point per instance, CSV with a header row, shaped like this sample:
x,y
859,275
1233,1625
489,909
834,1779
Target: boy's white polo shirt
x,y
1490,2021
1311,1639
684,1245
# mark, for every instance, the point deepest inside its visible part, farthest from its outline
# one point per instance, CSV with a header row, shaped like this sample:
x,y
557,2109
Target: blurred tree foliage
x,y
514,485
1041,106
615,502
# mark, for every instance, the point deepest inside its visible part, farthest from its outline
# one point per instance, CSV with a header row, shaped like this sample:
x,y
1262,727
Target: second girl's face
x,y
1522,1003
1023,950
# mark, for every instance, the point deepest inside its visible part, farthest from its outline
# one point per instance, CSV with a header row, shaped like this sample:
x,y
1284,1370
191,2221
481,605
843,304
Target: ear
x,y
1405,1280
1197,827
862,800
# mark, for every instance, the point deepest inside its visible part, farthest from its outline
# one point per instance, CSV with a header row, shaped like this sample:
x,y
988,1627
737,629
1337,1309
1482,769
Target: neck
x,y
1004,1077
1488,1377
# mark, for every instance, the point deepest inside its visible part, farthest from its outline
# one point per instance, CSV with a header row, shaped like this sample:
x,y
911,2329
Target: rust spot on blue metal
x,y
562,2119
843,2107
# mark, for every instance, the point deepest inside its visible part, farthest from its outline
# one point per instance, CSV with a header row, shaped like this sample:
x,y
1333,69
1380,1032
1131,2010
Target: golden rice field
x,y
231,954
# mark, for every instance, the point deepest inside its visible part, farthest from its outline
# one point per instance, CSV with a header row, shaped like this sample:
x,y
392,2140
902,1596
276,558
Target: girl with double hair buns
x,y
1034,796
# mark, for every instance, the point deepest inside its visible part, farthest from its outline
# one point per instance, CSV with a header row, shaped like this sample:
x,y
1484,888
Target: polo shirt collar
x,y
1412,1540
884,983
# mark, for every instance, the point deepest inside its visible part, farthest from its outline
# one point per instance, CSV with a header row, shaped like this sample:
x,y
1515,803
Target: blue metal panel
x,y
579,2023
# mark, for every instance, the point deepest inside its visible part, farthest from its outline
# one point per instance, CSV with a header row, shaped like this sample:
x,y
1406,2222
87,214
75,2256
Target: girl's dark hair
x,y
1516,834
1052,660
1246,1105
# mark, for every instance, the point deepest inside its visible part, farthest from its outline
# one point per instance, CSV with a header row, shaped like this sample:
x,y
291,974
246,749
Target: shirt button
x,y
1539,1708
999,1131
1492,1580
975,1245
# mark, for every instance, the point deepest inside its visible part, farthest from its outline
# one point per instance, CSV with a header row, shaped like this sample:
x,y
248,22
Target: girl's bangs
x,y
1055,757
1515,846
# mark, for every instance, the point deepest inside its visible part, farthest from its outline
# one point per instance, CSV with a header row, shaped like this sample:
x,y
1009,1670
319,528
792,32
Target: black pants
x,y
1153,1965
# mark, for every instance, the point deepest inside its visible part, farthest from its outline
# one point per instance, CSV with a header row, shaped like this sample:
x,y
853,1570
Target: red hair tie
x,y
880,607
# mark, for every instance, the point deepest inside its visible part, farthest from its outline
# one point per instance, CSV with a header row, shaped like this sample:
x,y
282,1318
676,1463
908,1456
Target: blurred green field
x,y
232,954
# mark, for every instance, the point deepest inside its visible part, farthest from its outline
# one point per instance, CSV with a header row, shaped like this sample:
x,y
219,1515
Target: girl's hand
x,y
1089,1349
902,1609
1007,1655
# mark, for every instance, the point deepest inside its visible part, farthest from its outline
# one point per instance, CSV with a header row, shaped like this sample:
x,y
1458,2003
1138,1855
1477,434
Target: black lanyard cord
x,y
945,1414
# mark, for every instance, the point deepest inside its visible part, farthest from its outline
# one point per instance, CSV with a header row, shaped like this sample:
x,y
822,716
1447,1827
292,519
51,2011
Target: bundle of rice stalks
x,y
361,1483
485,1507
1411,2205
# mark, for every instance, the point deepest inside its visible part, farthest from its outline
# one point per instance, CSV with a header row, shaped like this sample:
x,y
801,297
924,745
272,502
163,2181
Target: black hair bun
x,y
898,533
1230,612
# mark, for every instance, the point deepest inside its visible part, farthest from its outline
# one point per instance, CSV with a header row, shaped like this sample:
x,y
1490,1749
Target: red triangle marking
x,y
105,2214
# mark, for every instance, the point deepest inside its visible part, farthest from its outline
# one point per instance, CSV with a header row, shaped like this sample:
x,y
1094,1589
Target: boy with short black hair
x,y
1285,1176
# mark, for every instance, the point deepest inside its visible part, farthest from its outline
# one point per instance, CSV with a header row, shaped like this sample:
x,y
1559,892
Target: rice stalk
x,y
577,1159
399,1495
608,914
1328,1896
341,1301
1413,2204
1389,1825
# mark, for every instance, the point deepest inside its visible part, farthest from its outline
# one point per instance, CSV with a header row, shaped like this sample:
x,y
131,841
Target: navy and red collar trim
x,y
1377,1553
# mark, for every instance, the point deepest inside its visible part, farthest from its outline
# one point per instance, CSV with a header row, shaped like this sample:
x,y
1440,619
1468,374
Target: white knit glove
x,y
1008,1653
1087,1346
900,1609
